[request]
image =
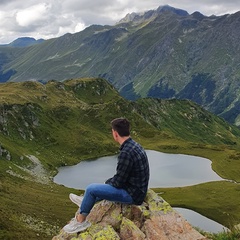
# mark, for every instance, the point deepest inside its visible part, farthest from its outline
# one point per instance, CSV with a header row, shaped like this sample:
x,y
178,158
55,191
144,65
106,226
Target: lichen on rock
x,y
153,220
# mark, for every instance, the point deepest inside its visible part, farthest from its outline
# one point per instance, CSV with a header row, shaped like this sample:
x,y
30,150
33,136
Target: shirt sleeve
x,y
124,168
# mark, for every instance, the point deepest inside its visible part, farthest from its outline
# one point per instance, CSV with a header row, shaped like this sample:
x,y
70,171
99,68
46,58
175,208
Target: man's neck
x,y
123,139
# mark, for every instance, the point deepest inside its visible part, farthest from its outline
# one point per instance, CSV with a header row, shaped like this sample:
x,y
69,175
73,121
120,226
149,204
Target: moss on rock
x,y
154,219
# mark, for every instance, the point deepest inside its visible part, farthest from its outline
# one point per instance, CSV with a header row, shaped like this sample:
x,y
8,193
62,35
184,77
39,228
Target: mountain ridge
x,y
23,42
164,56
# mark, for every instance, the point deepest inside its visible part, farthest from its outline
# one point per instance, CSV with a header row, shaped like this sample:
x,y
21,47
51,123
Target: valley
x,y
45,126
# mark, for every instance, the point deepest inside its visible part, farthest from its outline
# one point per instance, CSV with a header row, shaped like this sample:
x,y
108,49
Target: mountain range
x,y
164,53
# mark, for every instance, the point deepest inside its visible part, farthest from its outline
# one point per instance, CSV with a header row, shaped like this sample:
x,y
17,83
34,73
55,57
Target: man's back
x,y
132,171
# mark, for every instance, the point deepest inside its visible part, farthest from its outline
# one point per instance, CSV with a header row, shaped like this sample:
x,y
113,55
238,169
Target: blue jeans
x,y
98,191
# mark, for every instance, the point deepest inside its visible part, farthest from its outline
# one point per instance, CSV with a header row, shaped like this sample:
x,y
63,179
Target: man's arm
x,y
124,167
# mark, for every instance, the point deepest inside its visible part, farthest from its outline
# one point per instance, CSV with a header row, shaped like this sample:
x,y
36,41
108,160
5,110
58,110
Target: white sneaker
x,y
76,199
74,226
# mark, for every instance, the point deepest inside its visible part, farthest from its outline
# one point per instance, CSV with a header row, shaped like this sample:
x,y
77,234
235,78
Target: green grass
x,y
235,235
31,210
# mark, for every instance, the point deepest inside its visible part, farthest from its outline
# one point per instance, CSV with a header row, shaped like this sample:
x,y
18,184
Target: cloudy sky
x,y
53,18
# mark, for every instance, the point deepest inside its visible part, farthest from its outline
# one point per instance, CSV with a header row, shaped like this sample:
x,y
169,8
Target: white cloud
x,y
33,15
53,18
79,27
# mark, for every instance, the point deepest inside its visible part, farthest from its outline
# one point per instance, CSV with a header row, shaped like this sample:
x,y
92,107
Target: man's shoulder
x,y
133,148
130,144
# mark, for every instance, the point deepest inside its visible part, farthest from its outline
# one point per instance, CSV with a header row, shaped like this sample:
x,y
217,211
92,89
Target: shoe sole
x,y
82,229
73,200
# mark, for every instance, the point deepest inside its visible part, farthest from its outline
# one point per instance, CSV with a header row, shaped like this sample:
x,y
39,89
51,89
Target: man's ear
x,y
115,134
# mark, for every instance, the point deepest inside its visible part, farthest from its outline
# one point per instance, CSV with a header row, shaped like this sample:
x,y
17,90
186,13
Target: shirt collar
x,y
125,142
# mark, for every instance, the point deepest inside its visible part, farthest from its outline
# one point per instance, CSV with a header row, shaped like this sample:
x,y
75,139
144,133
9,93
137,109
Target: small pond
x,y
199,221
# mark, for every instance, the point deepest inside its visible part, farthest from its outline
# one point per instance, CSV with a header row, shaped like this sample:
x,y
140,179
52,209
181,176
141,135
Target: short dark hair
x,y
122,126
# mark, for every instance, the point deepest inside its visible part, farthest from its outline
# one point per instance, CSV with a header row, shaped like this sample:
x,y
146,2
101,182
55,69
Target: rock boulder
x,y
153,220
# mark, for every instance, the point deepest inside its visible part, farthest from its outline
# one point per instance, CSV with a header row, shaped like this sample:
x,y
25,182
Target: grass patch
x,y
30,210
233,235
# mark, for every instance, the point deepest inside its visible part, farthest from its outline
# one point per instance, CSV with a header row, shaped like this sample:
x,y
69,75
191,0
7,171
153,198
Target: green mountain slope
x,y
44,126
65,122
38,115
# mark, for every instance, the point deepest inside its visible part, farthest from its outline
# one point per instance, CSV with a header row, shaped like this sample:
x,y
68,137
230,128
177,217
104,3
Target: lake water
x,y
199,221
166,170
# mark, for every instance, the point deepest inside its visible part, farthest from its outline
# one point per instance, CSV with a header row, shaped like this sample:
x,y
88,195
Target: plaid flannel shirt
x,y
132,173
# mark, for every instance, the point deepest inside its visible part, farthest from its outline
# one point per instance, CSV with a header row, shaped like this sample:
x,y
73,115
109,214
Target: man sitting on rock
x,y
129,185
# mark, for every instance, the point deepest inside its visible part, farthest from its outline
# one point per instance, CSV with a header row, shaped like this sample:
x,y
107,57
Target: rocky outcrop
x,y
20,119
153,220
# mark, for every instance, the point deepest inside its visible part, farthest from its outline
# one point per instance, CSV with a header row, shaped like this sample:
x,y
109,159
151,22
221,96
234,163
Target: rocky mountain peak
x,y
151,14
167,8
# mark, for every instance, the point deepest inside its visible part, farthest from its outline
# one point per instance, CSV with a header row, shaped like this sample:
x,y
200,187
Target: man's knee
x,y
93,187
90,187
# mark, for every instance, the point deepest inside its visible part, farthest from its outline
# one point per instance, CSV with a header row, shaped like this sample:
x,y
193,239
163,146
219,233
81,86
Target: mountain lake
x,y
166,170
